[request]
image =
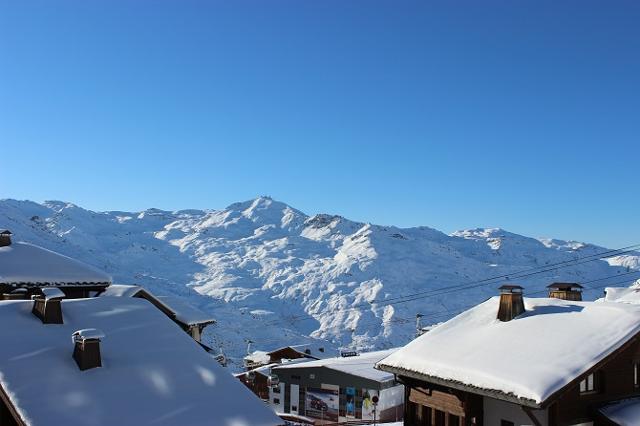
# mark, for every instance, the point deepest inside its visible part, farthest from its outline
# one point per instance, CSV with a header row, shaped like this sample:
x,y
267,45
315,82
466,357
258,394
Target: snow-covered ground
x,y
269,273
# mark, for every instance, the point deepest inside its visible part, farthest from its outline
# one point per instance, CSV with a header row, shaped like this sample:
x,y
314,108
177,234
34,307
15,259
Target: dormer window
x,y
588,385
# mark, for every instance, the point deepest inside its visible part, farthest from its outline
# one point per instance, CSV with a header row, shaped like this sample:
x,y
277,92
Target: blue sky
x,y
523,115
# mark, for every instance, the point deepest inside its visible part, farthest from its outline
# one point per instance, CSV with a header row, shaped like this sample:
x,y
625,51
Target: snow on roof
x,y
475,349
52,293
23,263
623,294
121,290
623,413
258,357
152,372
361,365
185,312
316,350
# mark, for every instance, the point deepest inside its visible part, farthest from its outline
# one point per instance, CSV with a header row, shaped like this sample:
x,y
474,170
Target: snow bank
x,y
623,413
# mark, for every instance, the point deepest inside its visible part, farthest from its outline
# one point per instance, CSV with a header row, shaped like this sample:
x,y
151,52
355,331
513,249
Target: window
x,y
636,371
294,408
588,384
454,420
506,423
276,389
276,400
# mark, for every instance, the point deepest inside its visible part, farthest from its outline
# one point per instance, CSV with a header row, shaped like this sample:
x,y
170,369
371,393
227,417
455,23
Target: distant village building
x,y
258,359
342,389
525,361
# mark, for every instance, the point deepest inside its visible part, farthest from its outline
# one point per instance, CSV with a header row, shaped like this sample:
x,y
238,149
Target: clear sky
x,y
451,114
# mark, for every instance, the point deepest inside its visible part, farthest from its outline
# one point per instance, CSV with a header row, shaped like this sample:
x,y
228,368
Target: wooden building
x,y
258,359
556,363
342,389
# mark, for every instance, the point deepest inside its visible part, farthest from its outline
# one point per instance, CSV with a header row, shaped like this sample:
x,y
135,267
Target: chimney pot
x,y
511,302
565,291
5,237
47,306
86,349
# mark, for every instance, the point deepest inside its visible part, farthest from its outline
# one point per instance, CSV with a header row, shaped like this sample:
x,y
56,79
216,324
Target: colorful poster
x,y
322,404
367,403
350,404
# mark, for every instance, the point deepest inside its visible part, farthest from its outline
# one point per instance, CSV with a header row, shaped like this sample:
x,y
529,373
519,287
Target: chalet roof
x,y
361,365
623,413
5,232
478,353
181,310
623,294
314,350
30,265
153,373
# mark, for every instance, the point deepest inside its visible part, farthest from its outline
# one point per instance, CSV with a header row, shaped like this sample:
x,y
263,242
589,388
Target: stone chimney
x,y
511,302
5,237
565,291
47,306
86,350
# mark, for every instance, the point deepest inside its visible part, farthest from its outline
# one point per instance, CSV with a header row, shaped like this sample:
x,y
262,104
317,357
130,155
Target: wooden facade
x,y
428,404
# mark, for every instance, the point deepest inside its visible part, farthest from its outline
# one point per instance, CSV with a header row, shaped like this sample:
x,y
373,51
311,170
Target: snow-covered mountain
x,y
272,274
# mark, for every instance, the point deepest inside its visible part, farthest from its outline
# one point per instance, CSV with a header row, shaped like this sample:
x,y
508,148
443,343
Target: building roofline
x,y
492,393
12,409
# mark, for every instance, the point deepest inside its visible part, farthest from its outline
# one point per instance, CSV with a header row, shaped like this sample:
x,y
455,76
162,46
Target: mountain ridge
x,y
275,275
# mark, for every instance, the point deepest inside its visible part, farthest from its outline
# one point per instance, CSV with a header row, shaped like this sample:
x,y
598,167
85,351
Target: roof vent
x,y
511,302
47,306
565,291
5,237
86,350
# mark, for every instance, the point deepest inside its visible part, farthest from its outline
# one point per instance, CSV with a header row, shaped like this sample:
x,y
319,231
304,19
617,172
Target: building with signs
x,y
337,389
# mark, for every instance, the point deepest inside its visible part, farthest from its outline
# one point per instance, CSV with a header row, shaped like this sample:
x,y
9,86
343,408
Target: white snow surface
x,y
623,413
272,274
152,370
361,365
623,294
471,347
22,263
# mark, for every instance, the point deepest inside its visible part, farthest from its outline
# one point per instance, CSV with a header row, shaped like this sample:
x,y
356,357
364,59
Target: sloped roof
x,y
183,311
623,413
623,294
361,365
153,373
530,357
27,264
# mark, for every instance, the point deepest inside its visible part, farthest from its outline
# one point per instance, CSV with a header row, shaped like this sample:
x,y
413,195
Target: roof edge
x,y
492,393
12,408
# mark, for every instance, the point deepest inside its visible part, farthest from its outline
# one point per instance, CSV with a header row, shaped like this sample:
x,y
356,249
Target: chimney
x,y
86,350
511,302
47,306
565,291
5,237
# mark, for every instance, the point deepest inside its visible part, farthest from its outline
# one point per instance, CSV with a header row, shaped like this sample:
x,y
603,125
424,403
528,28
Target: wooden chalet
x,y
523,361
258,359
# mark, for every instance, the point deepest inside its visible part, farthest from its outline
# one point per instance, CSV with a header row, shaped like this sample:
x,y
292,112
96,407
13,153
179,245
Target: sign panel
x,y
350,404
367,403
322,404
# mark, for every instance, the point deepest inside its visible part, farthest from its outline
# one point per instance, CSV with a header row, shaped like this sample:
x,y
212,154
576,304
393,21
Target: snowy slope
x,y
270,273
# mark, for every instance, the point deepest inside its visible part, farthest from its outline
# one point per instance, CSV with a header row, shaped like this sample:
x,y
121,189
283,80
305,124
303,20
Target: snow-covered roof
x,y
529,357
315,350
23,263
623,413
183,312
361,365
152,372
258,357
623,294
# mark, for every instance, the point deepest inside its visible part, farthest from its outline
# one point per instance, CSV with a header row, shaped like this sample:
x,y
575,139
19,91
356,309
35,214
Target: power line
x,y
474,284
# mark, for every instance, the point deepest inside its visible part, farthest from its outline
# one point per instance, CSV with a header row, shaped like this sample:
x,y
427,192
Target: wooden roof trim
x,y
12,409
492,393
